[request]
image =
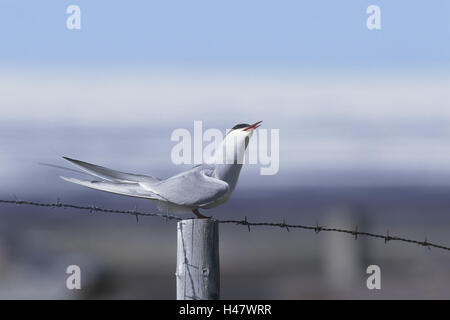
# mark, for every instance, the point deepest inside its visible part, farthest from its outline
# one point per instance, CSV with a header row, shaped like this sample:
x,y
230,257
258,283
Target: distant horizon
x,y
376,130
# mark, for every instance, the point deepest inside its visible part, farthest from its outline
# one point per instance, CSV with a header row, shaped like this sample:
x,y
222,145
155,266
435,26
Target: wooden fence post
x,y
198,272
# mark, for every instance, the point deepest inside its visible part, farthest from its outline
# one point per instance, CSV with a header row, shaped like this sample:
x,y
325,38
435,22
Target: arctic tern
x,y
204,186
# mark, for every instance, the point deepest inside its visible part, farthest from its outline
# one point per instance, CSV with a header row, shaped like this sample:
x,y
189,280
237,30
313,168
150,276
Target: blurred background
x,y
364,119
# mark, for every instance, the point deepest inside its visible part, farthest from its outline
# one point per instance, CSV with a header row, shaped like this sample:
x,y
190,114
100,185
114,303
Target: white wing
x,y
192,188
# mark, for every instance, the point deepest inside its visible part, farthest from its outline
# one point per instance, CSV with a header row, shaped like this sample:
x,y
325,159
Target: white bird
x,y
204,186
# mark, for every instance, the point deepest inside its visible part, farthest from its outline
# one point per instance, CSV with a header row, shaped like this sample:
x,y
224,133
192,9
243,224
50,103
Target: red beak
x,y
253,126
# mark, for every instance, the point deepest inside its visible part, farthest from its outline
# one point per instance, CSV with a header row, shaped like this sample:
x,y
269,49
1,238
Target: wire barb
x,y
355,232
387,237
426,244
246,223
135,214
283,224
318,228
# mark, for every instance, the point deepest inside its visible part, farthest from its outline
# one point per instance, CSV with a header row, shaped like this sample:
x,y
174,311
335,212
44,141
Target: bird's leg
x,y
198,214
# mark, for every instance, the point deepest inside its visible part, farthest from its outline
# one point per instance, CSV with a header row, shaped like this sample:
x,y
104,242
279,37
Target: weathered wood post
x,y
198,272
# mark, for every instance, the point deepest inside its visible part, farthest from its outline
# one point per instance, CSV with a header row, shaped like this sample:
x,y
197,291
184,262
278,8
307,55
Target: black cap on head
x,y
240,126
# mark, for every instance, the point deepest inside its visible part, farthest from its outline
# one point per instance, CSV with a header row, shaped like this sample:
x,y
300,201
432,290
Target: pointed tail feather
x,y
112,175
127,189
62,167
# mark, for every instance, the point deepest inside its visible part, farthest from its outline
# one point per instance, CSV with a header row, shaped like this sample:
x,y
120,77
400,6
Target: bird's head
x,y
241,133
236,142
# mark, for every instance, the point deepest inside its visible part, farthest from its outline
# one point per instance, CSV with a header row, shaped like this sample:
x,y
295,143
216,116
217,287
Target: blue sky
x,y
253,34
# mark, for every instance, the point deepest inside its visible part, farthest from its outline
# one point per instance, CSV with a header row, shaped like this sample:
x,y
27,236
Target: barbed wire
x,y
317,228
